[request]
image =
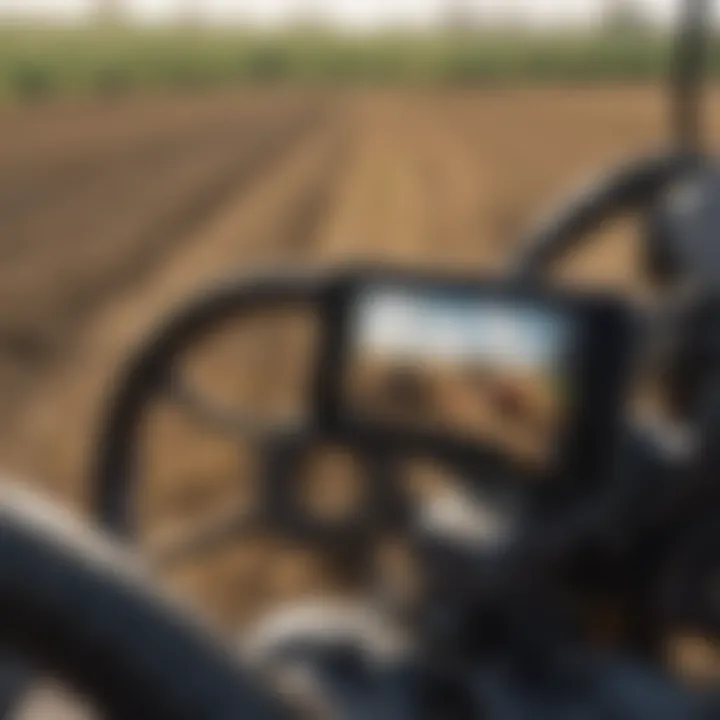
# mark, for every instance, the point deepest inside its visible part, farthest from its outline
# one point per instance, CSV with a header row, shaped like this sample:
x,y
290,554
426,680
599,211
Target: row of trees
x,y
626,15
619,15
115,11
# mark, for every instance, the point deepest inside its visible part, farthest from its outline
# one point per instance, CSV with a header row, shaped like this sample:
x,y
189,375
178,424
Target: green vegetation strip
x,y
40,62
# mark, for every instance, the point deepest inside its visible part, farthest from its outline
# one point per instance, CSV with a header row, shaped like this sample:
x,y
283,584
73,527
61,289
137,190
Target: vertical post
x,y
688,75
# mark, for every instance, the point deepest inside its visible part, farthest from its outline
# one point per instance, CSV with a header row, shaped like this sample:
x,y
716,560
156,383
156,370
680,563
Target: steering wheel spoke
x,y
209,537
230,423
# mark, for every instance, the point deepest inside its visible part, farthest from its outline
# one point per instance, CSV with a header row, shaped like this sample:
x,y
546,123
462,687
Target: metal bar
x,y
688,74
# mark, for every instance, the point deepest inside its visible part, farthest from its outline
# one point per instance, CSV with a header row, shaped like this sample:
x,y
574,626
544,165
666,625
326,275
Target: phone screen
x,y
472,365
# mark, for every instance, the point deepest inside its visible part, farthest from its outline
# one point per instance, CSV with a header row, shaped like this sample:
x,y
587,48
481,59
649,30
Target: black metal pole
x,y
689,74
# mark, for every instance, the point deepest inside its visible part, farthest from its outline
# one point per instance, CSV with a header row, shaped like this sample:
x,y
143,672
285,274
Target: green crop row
x,y
39,62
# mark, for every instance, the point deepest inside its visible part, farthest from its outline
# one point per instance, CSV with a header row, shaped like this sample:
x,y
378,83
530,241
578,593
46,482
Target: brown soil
x,y
111,214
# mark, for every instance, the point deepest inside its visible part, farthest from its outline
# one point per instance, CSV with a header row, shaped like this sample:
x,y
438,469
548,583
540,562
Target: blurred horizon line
x,y
361,17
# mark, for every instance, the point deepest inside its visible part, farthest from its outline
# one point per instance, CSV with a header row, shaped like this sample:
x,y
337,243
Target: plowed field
x,y
111,213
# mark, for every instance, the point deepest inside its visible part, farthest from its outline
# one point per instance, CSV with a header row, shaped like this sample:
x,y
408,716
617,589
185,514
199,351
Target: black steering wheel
x,y
151,374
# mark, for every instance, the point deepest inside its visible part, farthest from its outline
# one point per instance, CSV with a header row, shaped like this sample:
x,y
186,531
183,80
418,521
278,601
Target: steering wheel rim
x,y
632,186
74,603
148,370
